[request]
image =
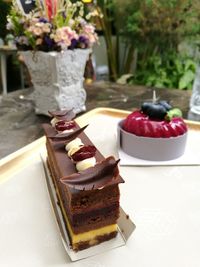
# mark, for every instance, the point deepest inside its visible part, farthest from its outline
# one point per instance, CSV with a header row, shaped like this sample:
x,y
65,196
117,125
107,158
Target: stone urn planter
x,y
57,78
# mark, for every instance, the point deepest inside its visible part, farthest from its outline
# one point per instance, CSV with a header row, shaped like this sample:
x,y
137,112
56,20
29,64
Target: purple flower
x,y
43,20
74,43
48,41
52,30
83,41
21,40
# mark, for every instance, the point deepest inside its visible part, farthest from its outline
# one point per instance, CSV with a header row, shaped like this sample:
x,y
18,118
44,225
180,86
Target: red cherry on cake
x,y
64,125
140,124
84,152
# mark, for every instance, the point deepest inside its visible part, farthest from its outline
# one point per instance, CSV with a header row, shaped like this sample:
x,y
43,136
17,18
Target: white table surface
x,y
163,202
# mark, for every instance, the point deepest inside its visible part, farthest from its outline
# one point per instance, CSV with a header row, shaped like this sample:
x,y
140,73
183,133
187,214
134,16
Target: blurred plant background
x,y
12,60
4,10
148,42
156,41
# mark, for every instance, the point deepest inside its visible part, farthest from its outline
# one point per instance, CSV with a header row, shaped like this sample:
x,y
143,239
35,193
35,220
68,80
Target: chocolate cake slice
x,y
89,198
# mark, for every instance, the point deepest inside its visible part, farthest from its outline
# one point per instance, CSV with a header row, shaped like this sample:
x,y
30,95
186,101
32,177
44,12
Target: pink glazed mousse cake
x,y
156,132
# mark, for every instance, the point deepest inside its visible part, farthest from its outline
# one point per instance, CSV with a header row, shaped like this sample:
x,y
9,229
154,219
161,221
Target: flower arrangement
x,y
53,25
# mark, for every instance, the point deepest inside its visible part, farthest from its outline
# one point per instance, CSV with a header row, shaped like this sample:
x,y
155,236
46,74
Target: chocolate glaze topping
x,y
103,173
66,166
64,114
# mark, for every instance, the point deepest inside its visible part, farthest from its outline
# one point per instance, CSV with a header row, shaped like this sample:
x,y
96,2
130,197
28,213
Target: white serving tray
x,y
163,201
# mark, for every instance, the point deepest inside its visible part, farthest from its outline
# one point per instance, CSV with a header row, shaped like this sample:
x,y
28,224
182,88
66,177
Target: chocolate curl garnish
x,y
64,114
103,173
65,138
68,136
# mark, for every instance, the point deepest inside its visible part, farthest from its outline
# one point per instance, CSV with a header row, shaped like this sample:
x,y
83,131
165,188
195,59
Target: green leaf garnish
x,y
173,113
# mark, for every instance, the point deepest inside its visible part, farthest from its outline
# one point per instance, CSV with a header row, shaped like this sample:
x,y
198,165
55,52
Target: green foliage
x,y
107,21
16,20
151,31
173,71
160,24
4,10
67,12
173,113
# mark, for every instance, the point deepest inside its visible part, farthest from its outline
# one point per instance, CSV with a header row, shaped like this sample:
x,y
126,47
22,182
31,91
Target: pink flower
x,y
64,36
46,27
39,41
67,31
89,33
88,28
35,30
39,28
54,24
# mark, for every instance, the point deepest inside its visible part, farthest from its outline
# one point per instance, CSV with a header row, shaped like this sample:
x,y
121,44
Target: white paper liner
x,y
189,158
125,226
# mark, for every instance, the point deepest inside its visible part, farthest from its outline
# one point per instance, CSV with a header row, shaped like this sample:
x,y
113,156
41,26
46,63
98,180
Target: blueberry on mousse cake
x,y
155,132
86,183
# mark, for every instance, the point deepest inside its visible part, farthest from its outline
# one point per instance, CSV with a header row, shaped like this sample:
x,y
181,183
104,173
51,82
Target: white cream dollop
x,y
73,150
85,164
72,147
74,143
54,121
66,131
